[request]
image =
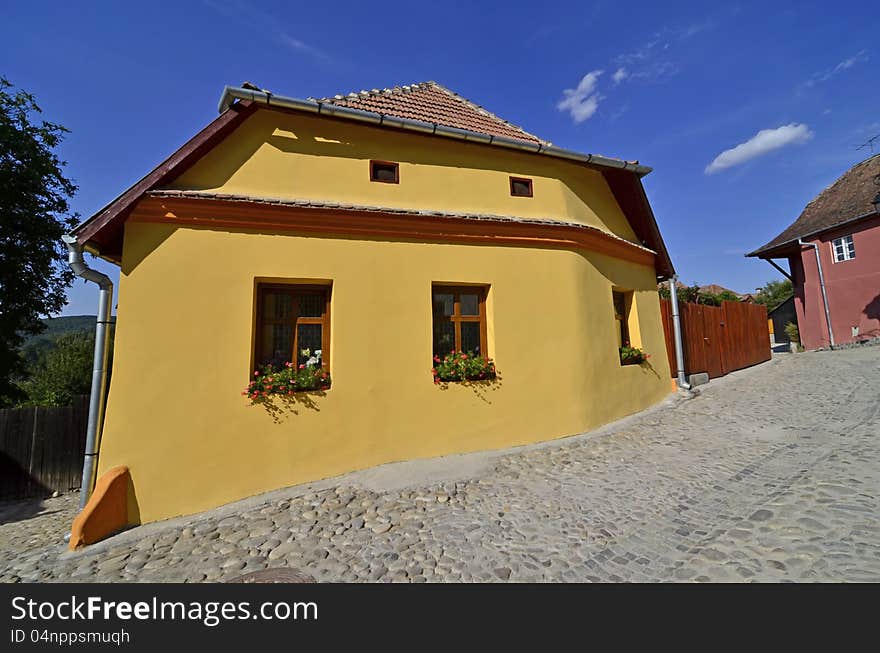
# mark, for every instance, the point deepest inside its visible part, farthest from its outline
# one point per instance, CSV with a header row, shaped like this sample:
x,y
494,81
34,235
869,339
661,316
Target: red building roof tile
x,y
851,197
431,102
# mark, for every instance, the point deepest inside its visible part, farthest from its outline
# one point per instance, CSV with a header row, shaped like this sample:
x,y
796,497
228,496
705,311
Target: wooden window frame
x,y
526,180
394,164
622,320
457,318
294,320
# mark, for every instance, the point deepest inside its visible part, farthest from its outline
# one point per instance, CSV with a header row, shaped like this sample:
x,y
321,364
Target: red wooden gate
x,y
718,340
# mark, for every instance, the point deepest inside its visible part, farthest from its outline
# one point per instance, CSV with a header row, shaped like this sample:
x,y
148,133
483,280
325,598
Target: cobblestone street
x,y
770,474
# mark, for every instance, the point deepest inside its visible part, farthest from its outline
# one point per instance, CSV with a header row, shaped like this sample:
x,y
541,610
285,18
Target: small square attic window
x,y
520,187
384,171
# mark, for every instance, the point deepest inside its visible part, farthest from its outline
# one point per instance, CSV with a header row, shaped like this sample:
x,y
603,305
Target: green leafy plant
x,y
791,330
461,366
693,295
632,355
62,372
270,381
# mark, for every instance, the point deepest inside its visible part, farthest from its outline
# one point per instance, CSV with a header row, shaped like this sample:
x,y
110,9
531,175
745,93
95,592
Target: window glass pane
x,y
308,343
444,337
276,344
470,304
442,303
384,172
851,247
619,305
277,306
622,335
521,188
470,337
311,305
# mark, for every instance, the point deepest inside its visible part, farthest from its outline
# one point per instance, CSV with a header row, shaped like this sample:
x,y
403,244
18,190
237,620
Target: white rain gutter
x,y
231,93
822,286
99,370
676,330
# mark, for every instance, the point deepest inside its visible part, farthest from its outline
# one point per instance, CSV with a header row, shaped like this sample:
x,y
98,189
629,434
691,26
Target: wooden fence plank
x,y
41,448
717,340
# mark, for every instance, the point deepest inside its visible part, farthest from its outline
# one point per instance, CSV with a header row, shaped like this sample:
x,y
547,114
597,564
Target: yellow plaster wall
x,y
298,156
177,420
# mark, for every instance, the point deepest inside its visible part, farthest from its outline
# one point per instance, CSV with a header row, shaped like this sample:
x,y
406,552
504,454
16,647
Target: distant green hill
x,y
55,327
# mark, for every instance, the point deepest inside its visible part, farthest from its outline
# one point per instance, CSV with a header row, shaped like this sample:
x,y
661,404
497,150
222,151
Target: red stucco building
x,y
836,240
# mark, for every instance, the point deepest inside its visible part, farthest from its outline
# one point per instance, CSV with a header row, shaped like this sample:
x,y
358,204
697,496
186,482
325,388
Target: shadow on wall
x,y
480,388
316,137
279,407
646,367
872,309
137,249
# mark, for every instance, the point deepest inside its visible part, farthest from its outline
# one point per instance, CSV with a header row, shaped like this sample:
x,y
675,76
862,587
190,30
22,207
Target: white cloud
x,y
653,59
296,44
582,102
858,57
760,144
263,22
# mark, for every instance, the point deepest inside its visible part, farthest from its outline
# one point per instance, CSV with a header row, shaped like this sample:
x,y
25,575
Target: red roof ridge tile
x,y
503,127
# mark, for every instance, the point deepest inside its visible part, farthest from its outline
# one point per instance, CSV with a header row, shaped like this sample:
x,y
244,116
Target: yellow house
x,y
360,237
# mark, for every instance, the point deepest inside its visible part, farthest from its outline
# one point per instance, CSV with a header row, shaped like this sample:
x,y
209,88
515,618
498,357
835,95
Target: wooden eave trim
x,y
226,214
175,165
630,195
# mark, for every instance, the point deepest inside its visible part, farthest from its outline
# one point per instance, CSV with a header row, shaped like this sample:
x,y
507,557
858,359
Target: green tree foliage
x,y
34,214
62,372
693,294
773,293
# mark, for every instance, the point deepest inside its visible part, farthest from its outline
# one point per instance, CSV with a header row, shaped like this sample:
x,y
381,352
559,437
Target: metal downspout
x,y
99,370
676,328
822,286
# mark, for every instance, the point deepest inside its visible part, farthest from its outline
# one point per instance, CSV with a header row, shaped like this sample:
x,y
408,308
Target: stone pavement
x,y
726,486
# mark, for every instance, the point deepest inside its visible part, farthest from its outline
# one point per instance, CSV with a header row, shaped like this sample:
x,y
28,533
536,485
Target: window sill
x,y
493,377
271,396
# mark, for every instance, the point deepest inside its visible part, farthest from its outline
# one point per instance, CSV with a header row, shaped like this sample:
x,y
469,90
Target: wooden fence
x,y
41,449
718,340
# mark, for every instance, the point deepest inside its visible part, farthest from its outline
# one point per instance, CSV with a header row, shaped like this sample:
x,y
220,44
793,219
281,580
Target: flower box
x,y
271,381
457,367
632,355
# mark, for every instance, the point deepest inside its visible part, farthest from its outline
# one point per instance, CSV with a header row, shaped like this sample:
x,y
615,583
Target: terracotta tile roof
x,y
431,102
848,198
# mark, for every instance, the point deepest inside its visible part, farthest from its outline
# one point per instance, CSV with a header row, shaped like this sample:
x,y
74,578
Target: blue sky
x,y
677,86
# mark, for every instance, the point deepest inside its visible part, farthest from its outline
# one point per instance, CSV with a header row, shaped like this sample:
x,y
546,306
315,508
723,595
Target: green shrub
x,y
791,330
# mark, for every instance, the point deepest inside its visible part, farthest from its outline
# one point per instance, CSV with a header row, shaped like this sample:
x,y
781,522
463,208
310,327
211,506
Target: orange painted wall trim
x,y
221,214
106,512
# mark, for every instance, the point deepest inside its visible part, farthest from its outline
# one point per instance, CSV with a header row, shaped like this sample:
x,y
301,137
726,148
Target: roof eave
x,y
782,249
232,93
